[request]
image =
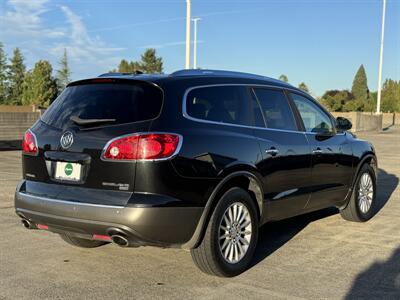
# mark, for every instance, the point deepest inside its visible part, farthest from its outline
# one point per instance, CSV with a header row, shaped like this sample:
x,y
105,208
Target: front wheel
x,y
362,203
231,236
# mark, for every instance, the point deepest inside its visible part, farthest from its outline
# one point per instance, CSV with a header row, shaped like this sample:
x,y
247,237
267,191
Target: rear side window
x,y
123,102
275,108
226,104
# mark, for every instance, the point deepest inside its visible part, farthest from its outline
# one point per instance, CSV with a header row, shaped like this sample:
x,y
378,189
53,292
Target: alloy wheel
x,y
365,193
235,232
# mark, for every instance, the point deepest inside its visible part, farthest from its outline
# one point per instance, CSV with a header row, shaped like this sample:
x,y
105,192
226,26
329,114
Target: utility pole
x,y
188,21
195,20
378,104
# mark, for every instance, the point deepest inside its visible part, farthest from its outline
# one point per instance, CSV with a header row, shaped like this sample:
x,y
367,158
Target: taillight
x,y
150,146
29,144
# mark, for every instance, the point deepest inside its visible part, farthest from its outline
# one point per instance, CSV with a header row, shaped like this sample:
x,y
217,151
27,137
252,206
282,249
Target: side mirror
x,y
343,124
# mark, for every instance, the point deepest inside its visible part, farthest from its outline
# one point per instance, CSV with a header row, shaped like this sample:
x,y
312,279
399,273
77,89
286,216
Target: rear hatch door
x,y
74,131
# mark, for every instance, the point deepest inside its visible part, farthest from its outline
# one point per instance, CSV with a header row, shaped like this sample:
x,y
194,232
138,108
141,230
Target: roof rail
x,y
199,72
121,74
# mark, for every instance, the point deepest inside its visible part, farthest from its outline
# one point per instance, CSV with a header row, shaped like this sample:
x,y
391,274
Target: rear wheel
x,y
363,199
231,236
78,242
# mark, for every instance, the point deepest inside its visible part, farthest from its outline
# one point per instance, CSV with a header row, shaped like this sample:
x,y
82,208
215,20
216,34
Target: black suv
x,y
197,159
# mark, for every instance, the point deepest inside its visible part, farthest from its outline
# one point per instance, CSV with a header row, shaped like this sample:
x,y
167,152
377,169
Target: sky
x,y
322,43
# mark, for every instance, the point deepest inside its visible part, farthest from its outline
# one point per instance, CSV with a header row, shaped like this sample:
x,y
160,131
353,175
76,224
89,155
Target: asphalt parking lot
x,y
318,255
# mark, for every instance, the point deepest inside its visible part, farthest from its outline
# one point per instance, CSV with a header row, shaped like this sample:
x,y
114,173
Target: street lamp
x,y
195,20
188,17
378,102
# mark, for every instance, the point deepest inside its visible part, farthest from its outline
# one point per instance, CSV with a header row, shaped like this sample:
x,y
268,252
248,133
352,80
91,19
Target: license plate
x,y
68,171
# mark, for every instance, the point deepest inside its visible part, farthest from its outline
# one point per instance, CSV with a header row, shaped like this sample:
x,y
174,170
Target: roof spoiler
x,y
120,74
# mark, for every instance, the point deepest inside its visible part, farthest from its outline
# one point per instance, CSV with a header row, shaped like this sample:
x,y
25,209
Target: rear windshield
x,y
123,102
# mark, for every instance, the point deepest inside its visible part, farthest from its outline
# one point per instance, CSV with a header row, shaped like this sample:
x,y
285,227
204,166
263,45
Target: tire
x,y
208,256
356,210
82,243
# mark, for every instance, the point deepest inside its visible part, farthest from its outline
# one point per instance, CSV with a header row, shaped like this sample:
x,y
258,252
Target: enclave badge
x,y
66,140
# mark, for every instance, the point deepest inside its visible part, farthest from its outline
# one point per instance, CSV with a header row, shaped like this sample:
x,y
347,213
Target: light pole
x,y
378,102
195,20
188,21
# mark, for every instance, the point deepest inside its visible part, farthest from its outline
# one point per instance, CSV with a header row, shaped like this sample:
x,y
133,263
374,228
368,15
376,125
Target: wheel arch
x,y
243,179
369,158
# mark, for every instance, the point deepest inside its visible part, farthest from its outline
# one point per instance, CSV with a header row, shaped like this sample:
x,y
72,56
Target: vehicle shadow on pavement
x,y
387,183
274,235
380,281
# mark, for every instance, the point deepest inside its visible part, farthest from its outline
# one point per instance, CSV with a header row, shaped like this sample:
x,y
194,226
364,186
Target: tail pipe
x,y
120,240
28,224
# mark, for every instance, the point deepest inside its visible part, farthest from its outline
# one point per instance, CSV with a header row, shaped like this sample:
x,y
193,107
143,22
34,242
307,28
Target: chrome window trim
x,y
178,149
186,115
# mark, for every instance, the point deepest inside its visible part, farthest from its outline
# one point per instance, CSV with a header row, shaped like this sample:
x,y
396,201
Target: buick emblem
x,y
66,140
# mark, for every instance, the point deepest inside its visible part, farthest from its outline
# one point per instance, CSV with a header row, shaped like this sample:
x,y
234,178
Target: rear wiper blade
x,y
80,121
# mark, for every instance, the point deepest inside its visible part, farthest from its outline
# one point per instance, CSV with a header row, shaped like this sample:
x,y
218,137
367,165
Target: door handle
x,y
318,151
272,151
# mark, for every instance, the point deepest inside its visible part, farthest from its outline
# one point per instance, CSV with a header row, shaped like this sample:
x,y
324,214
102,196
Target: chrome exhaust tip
x,y
28,224
120,240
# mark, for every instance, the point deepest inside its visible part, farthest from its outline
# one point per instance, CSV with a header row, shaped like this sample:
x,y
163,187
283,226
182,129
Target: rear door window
x,y
122,102
225,104
275,108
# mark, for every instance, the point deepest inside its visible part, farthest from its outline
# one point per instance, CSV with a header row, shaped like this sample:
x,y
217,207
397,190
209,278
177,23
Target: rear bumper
x,y
158,226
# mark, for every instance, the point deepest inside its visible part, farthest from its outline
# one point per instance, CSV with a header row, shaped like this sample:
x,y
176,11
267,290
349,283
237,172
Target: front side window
x,y
275,108
225,104
314,118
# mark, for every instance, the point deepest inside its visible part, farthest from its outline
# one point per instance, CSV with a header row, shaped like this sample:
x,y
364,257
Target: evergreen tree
x,y
16,73
360,86
64,73
135,66
3,75
284,78
124,67
391,96
150,63
40,87
304,87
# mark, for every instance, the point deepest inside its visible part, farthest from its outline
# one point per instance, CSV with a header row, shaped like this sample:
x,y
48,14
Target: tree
x,y
3,75
128,67
40,87
335,100
124,66
150,63
284,78
16,73
357,104
360,86
391,96
64,73
304,87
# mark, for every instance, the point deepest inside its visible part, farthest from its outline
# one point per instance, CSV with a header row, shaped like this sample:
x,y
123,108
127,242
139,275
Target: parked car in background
x,y
197,159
